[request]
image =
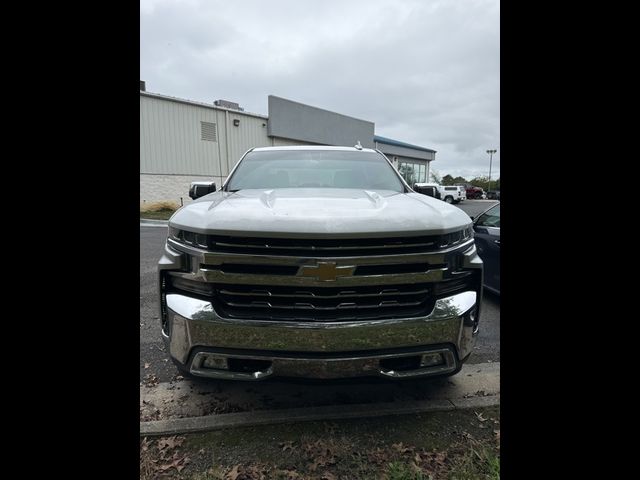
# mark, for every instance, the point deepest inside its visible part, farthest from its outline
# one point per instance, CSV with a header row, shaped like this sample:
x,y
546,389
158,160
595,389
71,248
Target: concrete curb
x,y
332,412
147,222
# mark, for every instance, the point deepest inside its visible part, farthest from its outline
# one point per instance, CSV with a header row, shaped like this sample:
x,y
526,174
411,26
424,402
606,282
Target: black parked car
x,y
493,195
487,234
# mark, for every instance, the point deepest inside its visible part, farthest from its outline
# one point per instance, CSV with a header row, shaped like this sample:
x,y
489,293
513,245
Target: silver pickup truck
x,y
318,262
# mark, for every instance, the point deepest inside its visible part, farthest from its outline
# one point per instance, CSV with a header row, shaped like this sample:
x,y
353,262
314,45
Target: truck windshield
x,y
314,169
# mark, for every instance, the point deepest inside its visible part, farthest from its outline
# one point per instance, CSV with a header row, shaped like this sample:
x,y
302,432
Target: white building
x,y
183,141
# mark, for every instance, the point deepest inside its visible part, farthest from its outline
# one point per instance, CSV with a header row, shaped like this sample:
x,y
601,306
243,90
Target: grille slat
x,y
309,306
324,303
266,293
322,247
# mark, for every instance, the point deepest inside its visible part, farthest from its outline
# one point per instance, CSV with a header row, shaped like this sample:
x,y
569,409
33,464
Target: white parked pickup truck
x,y
453,193
318,262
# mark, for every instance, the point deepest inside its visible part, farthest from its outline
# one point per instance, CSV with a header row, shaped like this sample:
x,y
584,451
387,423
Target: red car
x,y
474,192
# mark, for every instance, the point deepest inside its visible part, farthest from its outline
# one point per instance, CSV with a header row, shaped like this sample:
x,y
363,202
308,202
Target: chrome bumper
x,y
320,349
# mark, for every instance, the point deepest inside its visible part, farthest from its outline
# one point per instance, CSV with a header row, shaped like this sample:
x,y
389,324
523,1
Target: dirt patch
x,y
461,444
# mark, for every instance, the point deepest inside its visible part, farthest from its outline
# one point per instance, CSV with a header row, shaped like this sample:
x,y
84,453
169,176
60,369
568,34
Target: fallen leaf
x,y
286,446
233,474
401,448
480,417
145,444
147,365
170,443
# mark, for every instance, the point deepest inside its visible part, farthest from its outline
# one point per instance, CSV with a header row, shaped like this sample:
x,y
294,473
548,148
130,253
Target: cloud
x,y
426,72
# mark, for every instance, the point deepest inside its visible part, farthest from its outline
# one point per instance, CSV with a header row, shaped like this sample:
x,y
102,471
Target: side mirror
x,y
200,189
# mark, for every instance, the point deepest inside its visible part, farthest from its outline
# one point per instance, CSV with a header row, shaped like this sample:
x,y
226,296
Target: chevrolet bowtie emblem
x,y
326,271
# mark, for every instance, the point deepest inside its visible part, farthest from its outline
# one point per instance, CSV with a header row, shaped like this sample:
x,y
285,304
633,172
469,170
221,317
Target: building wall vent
x,y
209,131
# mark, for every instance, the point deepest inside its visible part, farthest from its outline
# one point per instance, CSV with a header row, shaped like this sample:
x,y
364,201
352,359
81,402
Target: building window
x,y
209,131
413,172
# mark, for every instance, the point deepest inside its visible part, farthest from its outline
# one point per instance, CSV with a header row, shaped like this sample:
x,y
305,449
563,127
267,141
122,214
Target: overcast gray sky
x,y
425,72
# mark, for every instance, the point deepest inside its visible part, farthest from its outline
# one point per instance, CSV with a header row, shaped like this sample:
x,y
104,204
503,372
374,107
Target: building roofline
x,y
200,104
389,141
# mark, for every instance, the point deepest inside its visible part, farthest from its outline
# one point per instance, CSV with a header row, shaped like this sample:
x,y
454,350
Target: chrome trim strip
x,y
217,276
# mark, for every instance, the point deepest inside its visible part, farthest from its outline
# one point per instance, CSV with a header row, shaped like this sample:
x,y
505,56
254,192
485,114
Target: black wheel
x,y
448,199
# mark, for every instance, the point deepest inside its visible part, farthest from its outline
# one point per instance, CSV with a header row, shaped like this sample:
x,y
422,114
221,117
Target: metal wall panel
x,y
293,120
171,138
250,133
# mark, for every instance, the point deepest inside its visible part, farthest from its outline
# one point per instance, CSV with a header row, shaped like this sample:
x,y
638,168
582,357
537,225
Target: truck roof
x,y
312,147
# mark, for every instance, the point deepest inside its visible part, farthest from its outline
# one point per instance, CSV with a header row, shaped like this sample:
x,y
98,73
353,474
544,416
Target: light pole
x,y
490,152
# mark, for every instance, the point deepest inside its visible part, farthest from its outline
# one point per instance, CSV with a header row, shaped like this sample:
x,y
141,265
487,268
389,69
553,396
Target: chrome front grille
x,y
293,279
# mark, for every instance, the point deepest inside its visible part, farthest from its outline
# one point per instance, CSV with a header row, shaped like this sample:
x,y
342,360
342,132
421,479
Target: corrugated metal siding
x,y
171,138
249,134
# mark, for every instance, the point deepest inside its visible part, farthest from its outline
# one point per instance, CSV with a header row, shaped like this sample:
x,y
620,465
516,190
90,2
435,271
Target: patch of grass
x,y
402,471
161,215
159,206
158,210
214,473
452,445
478,463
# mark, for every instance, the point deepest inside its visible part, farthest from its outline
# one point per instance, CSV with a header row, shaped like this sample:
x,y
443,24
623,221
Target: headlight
x,y
174,233
189,238
454,238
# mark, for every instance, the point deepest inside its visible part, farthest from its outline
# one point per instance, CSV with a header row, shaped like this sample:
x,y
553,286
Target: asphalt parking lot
x,y
473,208
154,361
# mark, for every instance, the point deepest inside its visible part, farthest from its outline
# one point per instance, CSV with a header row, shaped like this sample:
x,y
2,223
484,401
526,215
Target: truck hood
x,y
330,212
